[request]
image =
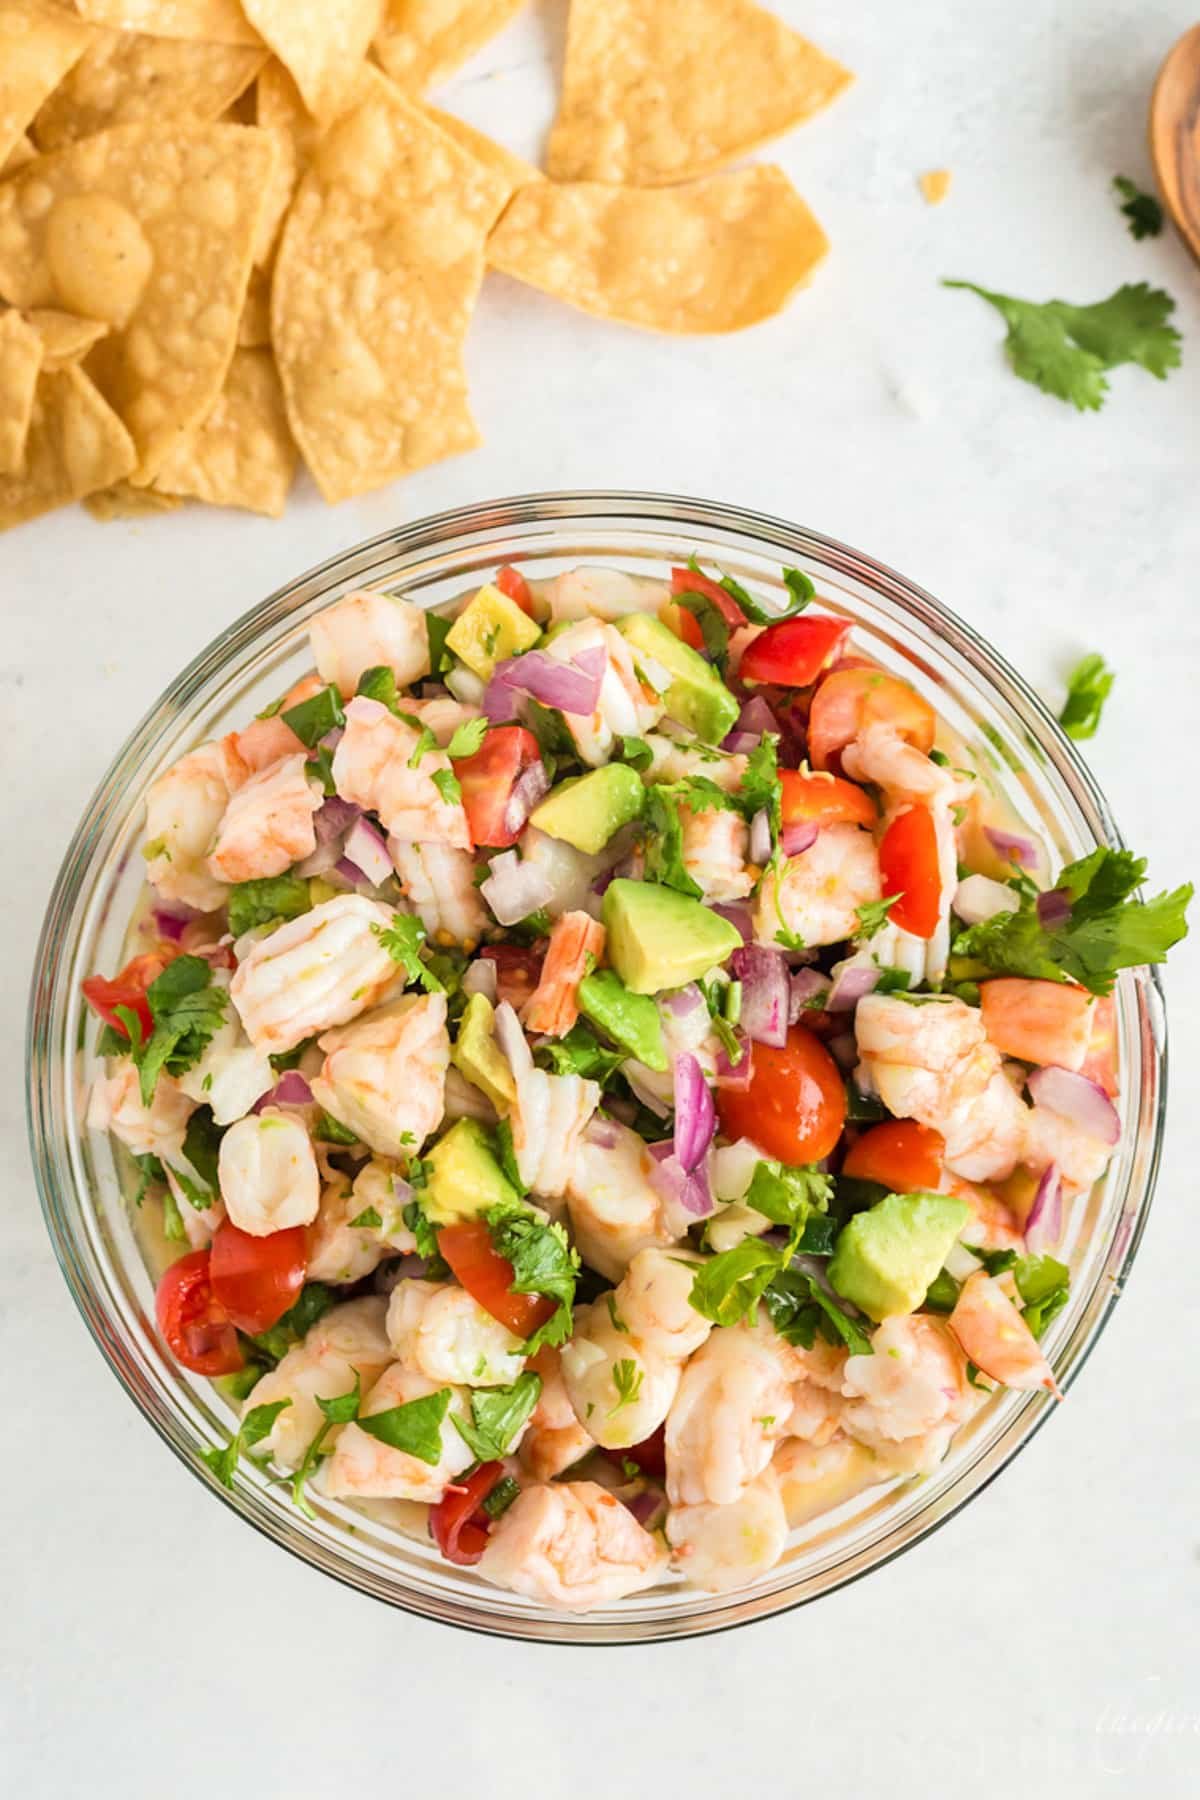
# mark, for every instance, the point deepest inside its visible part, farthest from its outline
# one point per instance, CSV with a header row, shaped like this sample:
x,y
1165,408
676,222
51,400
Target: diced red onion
x,y
572,687
527,790
851,982
170,924
512,1041
740,743
333,818
805,987
738,914
978,897
756,716
350,871
290,1090
325,857
683,1001
686,1189
603,882
695,1114
480,978
844,1050
647,1507
366,847
1021,850
1043,1227
514,888
644,1092
1053,909
1077,1098
796,839
765,997
736,1076
760,837
604,1133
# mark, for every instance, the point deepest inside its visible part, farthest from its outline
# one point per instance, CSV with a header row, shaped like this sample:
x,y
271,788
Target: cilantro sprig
x,y
403,940
498,1416
256,1425
1089,686
1142,212
544,1262
187,1009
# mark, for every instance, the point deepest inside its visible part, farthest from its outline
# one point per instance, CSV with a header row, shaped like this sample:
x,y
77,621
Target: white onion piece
x,y
1074,1097
978,898
465,686
480,978
960,1263
513,1042
366,849
514,888
760,837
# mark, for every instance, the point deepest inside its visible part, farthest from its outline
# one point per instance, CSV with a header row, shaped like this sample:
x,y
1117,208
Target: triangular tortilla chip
x,y
76,445
66,338
243,454
664,90
254,326
203,21
123,501
421,42
20,364
512,169
378,272
322,43
149,229
21,153
716,255
37,47
125,76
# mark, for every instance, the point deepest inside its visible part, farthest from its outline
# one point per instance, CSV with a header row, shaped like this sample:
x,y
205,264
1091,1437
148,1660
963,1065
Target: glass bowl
x,y
88,1214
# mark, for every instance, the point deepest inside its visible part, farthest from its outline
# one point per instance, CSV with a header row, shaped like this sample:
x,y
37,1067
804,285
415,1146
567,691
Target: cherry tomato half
x,y
256,1279
511,582
792,652
126,989
900,1154
824,800
795,1105
650,1455
459,1525
487,778
690,581
518,971
908,866
849,698
199,1332
488,1278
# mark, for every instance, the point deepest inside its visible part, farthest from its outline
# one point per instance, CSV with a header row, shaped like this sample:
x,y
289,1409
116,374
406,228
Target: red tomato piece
x,y
795,1105
690,581
510,581
900,1154
908,866
824,800
792,652
199,1332
487,778
458,1522
850,698
126,989
488,1278
518,971
650,1455
683,623
256,1279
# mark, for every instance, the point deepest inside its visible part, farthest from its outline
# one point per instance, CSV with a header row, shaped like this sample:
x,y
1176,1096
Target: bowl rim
x,y
562,508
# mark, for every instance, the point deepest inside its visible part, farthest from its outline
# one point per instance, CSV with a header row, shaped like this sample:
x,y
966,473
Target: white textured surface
x,y
1045,1642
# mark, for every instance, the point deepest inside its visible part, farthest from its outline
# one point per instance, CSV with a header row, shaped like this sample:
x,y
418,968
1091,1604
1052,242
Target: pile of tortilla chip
x,y
234,233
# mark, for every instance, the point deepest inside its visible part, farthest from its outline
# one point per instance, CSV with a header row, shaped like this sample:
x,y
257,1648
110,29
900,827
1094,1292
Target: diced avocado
x,y
886,1259
630,1020
660,939
464,1178
590,809
490,628
477,1055
697,697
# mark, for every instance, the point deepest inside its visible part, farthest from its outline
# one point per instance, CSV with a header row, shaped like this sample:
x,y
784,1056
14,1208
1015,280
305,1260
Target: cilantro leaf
x,y
727,1288
506,1156
448,785
580,1052
544,1262
1087,690
367,1220
1065,350
315,716
415,1427
253,903
187,1008
787,1196
615,1319
437,630
1044,1284
379,683
636,752
253,1429
761,789
800,588
873,916
627,1379
150,1174
467,737
663,841
798,1306
202,1145
1106,929
1143,213
172,1220
402,940
714,628
498,1416
312,1303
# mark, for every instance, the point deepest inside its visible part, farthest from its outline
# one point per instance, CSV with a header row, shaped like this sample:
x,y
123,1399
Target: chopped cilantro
x,y
727,1288
253,1429
424,744
402,940
367,1220
798,1307
253,903
321,713
172,1219
627,1379
663,841
467,738
417,1221
188,1009
1142,212
312,1303
580,1052
787,1196
544,1262
1087,690
714,628
150,1174
1044,1284
636,752
506,1156
498,1416
618,1323
379,684
202,1144
329,1130
414,1427
942,1293
438,630
873,916
448,785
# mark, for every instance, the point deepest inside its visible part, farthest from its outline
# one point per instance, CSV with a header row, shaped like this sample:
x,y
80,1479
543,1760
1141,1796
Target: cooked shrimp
x,y
615,1210
268,824
914,1381
555,1439
385,1076
572,1545
440,884
268,741
268,1173
231,1074
723,1547
184,809
672,760
996,1338
1038,1021
442,715
814,1479
548,1118
716,844
816,1414
733,1403
317,971
603,594
348,1341
625,706
816,895
368,630
880,755
375,1186
374,767
337,1250
620,1389
653,1302
576,945
155,1130
437,1329
993,1225
362,1467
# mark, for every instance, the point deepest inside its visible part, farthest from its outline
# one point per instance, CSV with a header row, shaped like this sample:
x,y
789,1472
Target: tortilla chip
x,y
150,230
254,326
203,21
20,365
421,42
65,337
379,269
76,444
512,169
934,185
322,43
126,502
243,454
714,256
664,90
36,50
21,153
125,76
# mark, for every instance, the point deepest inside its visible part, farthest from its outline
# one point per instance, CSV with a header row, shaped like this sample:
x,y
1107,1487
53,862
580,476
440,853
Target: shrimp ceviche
x,y
612,1073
